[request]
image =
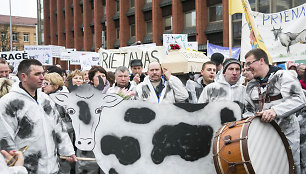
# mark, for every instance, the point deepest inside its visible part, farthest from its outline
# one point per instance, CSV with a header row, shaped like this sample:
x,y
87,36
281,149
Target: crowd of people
x,y
29,115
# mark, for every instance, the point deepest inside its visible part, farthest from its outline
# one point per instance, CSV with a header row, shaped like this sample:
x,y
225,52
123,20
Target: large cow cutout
x,y
145,138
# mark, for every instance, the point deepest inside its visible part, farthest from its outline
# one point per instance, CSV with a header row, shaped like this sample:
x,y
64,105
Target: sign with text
x,y
284,34
40,52
89,59
180,39
192,46
14,57
113,58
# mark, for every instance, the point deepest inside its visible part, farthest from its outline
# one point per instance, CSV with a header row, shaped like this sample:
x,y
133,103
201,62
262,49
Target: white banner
x,y
193,46
14,57
284,34
113,58
89,59
57,50
40,52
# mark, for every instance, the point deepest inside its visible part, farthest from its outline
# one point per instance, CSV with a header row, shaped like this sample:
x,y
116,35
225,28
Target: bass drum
x,y
252,146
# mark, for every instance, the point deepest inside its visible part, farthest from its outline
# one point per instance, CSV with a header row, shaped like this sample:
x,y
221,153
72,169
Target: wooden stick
x,y
80,158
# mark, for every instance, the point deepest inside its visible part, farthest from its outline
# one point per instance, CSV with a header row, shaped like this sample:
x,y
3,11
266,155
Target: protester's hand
x,y
8,156
136,78
71,158
167,73
267,115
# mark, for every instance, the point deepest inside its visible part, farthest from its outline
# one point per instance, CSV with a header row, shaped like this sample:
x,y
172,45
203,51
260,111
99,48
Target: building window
x,y
215,13
26,37
190,19
14,35
3,48
117,33
148,1
132,3
15,48
104,10
149,27
132,29
35,38
168,23
3,36
117,6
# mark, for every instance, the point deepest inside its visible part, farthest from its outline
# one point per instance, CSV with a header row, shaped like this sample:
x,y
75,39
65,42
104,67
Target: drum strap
x,y
264,98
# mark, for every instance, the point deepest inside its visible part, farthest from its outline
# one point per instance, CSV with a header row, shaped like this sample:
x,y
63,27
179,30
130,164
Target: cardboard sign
x,y
113,58
40,52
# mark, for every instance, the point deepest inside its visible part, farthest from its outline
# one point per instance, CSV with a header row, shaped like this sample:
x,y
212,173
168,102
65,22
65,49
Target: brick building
x,y
23,32
80,23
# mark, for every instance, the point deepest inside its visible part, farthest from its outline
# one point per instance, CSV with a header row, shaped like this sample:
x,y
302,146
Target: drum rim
x,y
215,150
244,145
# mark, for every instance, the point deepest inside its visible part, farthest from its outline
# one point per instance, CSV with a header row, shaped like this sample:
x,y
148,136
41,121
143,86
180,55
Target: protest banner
x,y
40,52
180,39
89,59
56,50
14,57
211,49
284,34
113,58
193,46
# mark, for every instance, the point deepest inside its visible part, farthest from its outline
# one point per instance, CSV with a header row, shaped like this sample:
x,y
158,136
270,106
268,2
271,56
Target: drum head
x,y
266,149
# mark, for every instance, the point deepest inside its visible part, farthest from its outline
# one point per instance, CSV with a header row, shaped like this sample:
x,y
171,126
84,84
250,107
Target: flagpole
x,y
230,32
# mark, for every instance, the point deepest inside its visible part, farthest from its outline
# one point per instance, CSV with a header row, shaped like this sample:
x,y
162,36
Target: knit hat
x,y
229,61
135,62
217,58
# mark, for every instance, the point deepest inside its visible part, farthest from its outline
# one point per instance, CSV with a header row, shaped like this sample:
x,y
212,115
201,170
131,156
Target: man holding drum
x,y
275,94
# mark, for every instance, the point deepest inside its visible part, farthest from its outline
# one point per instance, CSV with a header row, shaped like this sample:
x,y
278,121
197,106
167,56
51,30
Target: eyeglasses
x,y
250,63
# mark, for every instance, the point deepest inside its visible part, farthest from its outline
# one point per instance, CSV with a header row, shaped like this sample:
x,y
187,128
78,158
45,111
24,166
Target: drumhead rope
x,y
252,146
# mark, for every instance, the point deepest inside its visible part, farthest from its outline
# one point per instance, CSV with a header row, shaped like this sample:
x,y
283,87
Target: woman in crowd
x,y
94,73
77,78
52,85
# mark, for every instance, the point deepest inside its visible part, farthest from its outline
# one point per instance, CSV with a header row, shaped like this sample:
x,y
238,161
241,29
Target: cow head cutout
x,y
85,107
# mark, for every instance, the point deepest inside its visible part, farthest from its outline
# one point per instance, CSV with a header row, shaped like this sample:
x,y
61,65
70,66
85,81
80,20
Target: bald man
x,y
156,88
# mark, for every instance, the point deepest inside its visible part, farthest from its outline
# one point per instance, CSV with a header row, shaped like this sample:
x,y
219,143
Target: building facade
x,y
23,32
91,24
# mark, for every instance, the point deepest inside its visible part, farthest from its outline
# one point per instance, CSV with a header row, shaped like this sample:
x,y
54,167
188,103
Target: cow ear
x,y
60,98
111,100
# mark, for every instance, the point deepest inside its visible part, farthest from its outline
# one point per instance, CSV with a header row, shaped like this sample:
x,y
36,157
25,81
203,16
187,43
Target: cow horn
x,y
101,84
71,87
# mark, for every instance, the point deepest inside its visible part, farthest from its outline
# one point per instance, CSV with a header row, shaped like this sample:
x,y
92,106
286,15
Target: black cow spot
x,y
84,114
84,171
4,145
250,108
13,107
25,127
56,137
214,92
189,142
31,162
168,89
145,91
139,115
293,91
47,107
190,107
126,149
112,171
227,115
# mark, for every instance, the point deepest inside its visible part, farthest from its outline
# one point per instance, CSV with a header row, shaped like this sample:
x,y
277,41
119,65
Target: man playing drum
x,y
275,94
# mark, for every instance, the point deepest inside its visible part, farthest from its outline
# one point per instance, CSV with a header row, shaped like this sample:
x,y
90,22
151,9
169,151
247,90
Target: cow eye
x,y
70,111
98,110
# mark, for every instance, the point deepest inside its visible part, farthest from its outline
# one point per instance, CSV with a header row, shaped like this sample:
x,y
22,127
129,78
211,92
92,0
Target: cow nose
x,y
79,142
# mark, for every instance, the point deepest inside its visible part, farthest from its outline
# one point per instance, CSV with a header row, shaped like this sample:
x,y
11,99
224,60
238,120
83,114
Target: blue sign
x,y
211,49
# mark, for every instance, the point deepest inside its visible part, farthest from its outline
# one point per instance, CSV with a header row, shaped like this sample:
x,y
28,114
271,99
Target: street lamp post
x,y
11,34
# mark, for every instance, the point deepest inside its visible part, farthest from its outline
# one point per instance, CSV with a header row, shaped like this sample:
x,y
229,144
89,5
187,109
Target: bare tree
x,y
5,37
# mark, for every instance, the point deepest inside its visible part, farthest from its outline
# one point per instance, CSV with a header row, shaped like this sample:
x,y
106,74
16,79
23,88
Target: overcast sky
x,y
24,8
